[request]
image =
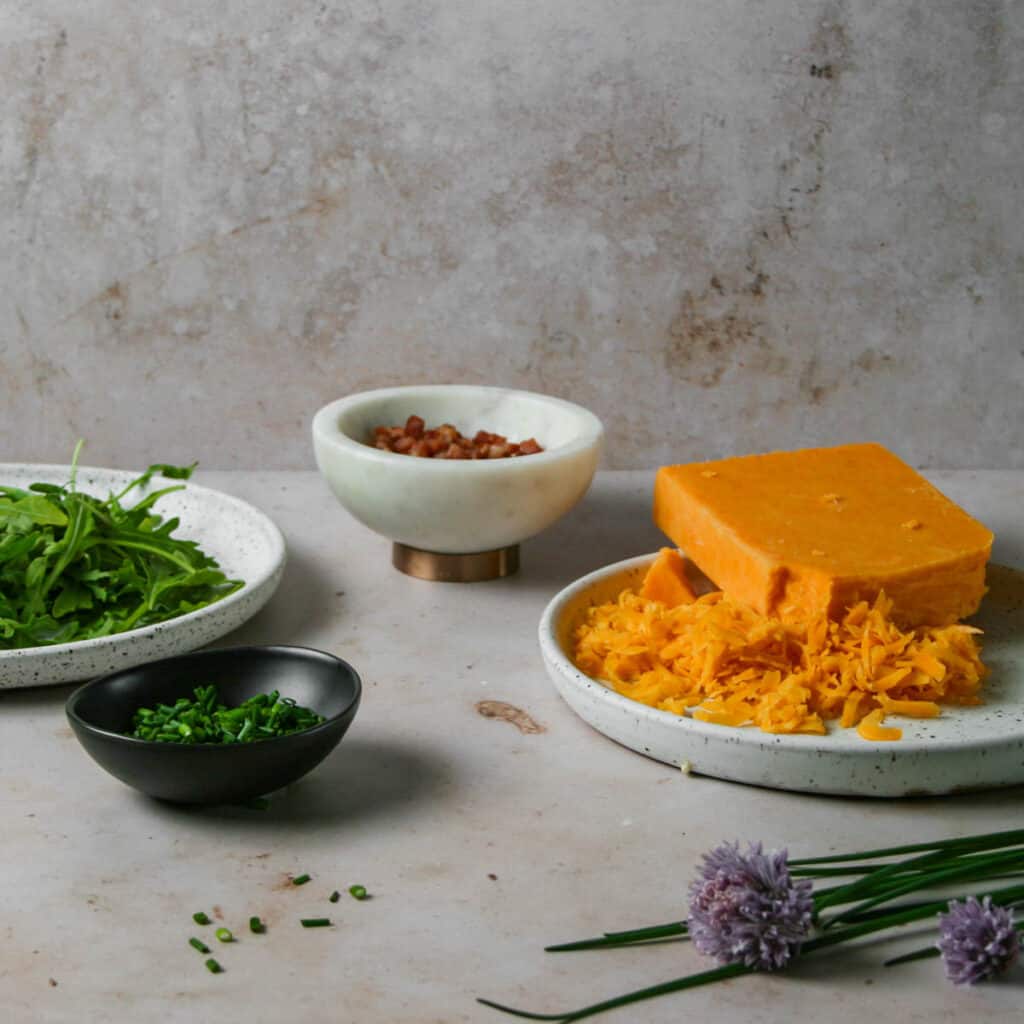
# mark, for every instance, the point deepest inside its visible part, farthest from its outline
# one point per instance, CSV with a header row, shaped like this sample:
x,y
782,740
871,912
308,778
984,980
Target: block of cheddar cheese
x,y
797,534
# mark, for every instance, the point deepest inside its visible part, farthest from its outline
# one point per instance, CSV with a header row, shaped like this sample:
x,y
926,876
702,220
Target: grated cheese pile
x,y
726,664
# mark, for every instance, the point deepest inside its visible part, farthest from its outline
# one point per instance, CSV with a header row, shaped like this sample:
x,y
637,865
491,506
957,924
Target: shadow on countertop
x,y
361,780
306,600
37,698
607,526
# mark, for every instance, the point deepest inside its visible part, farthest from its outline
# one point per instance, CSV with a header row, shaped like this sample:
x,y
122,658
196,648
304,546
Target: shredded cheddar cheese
x,y
724,663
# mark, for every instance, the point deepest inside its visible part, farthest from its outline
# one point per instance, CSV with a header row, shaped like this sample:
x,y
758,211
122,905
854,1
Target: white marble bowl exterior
x,y
457,506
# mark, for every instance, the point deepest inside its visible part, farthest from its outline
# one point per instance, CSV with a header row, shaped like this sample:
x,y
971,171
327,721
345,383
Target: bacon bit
x,y
722,663
445,442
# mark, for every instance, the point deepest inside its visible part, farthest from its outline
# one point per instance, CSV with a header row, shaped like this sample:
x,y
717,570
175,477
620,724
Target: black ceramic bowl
x,y
101,712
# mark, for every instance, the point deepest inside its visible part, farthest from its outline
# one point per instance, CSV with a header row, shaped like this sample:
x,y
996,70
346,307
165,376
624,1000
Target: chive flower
x,y
746,909
976,940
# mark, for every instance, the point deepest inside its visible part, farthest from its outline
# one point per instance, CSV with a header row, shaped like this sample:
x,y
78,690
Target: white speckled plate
x,y
964,749
242,539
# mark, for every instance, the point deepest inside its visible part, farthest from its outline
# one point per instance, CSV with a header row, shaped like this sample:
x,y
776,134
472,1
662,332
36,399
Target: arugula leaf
x,y
34,508
74,567
72,597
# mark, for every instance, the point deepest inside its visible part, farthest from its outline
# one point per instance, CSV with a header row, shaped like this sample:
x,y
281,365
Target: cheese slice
x,y
799,534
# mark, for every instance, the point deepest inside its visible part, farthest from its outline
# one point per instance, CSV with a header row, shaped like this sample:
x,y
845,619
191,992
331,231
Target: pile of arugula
x,y
73,567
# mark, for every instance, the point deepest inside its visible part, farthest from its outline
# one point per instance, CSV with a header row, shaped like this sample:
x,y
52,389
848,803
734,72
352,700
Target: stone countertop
x,y
479,843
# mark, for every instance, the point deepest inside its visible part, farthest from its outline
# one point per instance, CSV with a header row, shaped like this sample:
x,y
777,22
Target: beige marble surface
x,y
480,843
724,227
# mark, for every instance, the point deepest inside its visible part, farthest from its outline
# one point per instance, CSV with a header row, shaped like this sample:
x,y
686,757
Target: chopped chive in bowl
x,y
204,719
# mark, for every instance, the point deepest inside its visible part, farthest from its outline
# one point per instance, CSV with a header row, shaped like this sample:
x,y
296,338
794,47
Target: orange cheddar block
x,y
800,534
666,580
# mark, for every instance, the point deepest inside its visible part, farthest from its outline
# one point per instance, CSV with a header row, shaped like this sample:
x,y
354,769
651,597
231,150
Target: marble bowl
x,y
457,507
100,713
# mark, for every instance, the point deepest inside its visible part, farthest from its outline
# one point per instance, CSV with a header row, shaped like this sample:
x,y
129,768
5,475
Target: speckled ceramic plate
x,y
964,749
244,541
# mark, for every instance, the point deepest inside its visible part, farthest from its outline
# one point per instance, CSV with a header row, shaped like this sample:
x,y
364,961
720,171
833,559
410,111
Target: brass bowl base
x,y
442,568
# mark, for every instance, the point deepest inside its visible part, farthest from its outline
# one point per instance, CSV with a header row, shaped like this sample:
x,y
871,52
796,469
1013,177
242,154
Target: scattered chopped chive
x,y
256,926
200,918
213,967
358,892
201,946
224,934
300,880
315,922
335,896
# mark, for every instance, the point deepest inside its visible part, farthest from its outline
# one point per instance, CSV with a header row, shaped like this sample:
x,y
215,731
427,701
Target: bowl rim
x,y
71,705
326,430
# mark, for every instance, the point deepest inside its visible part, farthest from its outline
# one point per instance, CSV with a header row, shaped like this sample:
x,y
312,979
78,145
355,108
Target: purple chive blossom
x,y
977,940
745,908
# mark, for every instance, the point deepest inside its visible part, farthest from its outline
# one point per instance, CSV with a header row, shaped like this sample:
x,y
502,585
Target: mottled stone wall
x,y
723,226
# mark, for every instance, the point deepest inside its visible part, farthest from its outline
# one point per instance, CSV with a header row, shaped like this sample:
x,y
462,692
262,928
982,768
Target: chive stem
x,y
200,918
224,935
921,870
676,929
256,926
928,951
676,985
201,946
1008,838
213,967
300,879
961,871
315,922
358,892
853,931
918,954
334,897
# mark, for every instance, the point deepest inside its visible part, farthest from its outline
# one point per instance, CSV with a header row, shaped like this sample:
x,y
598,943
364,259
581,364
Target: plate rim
x,y
274,567
747,736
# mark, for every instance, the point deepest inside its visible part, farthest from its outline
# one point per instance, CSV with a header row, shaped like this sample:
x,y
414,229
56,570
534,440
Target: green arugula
x,y
74,567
